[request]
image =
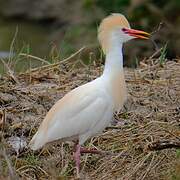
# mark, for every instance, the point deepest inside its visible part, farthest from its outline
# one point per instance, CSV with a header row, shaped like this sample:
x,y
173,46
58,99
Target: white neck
x,y
114,60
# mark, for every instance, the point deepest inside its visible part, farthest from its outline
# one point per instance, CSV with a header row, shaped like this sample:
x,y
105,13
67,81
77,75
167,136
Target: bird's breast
x,y
119,91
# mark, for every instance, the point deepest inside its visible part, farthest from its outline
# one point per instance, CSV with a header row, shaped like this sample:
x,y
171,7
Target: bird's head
x,y
115,29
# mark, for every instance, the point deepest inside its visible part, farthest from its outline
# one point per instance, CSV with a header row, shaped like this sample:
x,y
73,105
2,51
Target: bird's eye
x,y
124,29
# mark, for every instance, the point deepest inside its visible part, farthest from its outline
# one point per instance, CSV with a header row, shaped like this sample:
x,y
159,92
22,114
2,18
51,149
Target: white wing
x,y
82,112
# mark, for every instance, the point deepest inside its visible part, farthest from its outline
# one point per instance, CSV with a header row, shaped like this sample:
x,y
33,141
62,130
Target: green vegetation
x,y
176,175
163,54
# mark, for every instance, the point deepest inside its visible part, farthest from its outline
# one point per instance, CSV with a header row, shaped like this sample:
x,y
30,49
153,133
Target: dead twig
x,y
12,173
3,119
55,64
163,144
34,57
10,72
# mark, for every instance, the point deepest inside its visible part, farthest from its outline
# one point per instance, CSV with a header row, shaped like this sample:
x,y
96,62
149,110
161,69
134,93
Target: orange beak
x,y
136,33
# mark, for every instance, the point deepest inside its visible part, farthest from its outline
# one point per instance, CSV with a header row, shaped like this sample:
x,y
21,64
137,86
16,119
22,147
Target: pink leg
x,y
77,155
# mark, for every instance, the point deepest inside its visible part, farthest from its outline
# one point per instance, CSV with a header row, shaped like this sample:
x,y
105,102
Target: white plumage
x,y
88,109
81,113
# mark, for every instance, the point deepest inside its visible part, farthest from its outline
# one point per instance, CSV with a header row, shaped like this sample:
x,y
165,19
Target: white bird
x,y
88,109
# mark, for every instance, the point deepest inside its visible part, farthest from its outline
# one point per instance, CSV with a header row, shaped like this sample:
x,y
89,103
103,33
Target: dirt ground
x,y
142,143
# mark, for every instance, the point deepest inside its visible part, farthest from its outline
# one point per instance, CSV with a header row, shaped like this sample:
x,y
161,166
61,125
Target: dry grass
x,y
151,115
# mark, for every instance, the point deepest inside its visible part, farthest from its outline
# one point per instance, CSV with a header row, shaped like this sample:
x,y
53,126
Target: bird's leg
x,y
77,155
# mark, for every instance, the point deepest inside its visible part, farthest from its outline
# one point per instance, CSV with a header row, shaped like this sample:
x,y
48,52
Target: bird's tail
x,y
37,141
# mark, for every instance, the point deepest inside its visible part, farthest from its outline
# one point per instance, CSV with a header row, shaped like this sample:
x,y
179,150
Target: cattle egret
x,y
88,109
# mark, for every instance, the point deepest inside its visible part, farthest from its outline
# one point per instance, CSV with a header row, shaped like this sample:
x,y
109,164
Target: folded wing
x,y
81,112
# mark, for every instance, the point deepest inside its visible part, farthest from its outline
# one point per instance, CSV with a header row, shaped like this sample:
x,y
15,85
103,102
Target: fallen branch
x,y
163,144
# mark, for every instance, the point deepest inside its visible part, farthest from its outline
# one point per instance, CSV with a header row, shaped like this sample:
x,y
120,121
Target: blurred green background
x,y
55,29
